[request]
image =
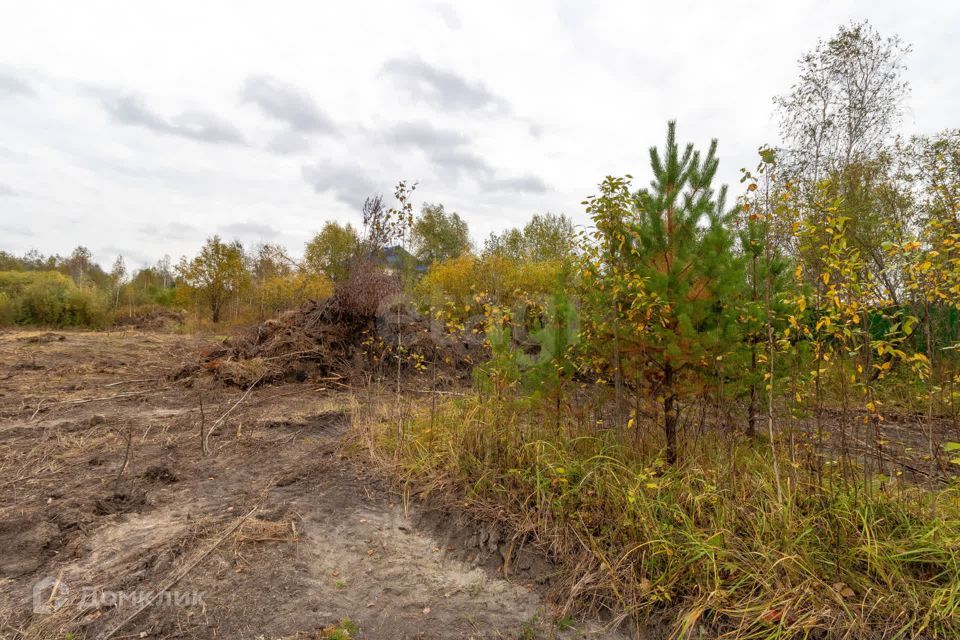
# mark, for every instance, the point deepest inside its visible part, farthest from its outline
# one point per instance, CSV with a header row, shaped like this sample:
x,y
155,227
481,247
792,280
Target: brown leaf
x,y
771,615
843,590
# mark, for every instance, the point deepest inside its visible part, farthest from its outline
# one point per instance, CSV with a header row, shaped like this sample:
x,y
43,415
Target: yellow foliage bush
x,y
463,285
284,292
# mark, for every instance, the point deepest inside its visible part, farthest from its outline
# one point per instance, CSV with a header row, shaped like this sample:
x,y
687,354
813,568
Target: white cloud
x,y
439,87
196,125
286,103
11,84
266,118
350,185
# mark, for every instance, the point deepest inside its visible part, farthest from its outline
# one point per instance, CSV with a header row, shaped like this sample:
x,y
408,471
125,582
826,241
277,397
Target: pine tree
x,y
683,251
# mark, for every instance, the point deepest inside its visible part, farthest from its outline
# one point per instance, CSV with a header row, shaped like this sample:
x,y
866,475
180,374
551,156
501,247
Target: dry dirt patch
x,y
105,488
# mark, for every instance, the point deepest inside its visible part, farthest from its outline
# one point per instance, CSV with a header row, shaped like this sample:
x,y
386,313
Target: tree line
x,y
226,280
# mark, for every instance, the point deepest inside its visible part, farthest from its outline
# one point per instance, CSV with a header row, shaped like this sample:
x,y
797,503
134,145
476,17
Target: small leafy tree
x,y
270,261
332,251
546,237
556,336
935,168
612,289
438,235
118,276
509,244
164,268
762,309
79,264
550,236
538,376
216,274
763,269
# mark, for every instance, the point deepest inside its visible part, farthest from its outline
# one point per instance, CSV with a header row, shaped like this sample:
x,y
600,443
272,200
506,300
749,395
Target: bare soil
x,y
279,528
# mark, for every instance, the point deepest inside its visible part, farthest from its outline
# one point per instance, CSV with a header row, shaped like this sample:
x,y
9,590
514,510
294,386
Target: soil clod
x,y
119,503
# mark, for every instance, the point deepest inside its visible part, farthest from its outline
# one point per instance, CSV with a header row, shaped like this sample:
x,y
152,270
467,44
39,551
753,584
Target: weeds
x,y
343,630
707,542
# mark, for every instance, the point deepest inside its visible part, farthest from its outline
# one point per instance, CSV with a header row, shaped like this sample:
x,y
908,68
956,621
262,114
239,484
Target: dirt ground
x,y
117,522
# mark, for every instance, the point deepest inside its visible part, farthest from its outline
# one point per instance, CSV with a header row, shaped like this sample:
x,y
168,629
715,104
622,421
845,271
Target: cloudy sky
x,y
142,127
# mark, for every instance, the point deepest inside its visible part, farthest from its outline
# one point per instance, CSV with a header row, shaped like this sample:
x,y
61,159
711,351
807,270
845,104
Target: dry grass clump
x,y
262,530
242,373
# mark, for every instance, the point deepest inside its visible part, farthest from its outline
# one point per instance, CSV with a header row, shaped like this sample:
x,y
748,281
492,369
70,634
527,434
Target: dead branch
x,y
203,423
116,384
126,457
213,427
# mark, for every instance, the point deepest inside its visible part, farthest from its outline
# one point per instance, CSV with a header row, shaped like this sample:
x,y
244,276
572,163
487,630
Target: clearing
x,y
276,529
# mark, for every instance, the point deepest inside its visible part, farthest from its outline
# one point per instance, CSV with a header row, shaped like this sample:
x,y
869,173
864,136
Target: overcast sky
x,y
143,127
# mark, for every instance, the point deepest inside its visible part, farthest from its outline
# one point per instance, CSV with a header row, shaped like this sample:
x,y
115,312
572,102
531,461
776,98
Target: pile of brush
x,y
358,331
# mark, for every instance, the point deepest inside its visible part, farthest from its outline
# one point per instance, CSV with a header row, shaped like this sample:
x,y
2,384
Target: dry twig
x,y
213,427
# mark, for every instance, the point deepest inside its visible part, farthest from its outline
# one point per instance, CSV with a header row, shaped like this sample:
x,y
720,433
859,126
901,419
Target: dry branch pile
x,y
360,329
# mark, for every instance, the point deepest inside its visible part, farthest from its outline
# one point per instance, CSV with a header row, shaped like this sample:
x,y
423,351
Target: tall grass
x,y
706,545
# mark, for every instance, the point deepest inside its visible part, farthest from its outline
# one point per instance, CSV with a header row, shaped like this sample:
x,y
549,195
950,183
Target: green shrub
x,y
85,307
7,311
49,298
